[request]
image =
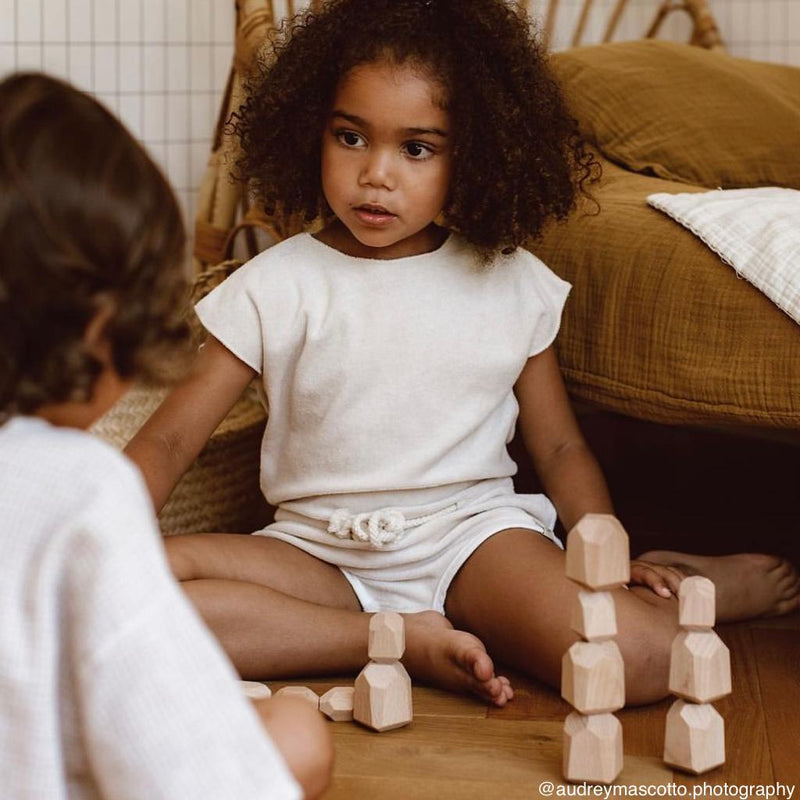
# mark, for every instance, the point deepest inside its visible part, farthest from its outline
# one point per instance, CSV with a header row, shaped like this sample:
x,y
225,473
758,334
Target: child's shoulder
x,y
287,259
527,264
33,448
523,258
57,484
284,254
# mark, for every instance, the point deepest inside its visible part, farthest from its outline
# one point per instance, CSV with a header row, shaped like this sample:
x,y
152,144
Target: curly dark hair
x,y
518,159
87,221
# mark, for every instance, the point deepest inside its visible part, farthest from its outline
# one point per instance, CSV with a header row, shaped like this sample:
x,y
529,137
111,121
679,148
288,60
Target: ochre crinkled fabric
x,y
687,114
658,327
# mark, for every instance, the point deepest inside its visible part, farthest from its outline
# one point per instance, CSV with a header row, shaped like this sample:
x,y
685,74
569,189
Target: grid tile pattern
x,y
161,65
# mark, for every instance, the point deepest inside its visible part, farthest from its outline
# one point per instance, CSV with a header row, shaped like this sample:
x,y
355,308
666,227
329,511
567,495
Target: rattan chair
x,y
223,208
221,491
704,29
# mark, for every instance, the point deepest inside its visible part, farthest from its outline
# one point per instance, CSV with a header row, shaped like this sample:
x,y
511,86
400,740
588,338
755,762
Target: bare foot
x,y
748,584
438,654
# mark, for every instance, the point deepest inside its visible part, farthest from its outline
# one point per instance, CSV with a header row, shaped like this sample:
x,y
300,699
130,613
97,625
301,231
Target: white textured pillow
x,y
756,231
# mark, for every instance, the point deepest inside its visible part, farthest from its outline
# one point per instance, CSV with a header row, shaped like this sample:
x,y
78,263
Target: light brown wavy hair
x,y
86,220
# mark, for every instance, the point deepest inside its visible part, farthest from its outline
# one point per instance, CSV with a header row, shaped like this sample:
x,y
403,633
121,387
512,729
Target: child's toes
x,y
478,662
788,605
790,584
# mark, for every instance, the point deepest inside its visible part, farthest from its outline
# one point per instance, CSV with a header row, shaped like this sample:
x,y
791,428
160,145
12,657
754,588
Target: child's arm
x,y
567,468
303,739
170,441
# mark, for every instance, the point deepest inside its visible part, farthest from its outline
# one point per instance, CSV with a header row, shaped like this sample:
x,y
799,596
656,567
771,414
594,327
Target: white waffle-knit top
x,y
384,375
110,684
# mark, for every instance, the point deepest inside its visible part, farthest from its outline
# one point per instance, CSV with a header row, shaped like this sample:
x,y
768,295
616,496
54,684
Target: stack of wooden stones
x,y
700,672
592,671
382,699
381,696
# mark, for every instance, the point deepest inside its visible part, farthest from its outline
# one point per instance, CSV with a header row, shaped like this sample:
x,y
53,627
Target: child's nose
x,y
377,170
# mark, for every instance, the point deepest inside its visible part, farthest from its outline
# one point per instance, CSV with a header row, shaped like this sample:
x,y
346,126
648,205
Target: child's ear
x,y
94,337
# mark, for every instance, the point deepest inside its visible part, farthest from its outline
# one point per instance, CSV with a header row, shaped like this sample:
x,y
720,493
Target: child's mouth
x,y
374,215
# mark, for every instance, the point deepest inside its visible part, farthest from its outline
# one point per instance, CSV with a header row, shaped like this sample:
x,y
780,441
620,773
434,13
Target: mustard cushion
x,y
658,327
687,114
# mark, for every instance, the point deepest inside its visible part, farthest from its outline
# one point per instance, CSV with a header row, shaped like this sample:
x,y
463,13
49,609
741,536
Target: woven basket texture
x,y
220,493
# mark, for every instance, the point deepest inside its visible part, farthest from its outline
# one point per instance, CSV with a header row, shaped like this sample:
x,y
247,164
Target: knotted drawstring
x,y
379,528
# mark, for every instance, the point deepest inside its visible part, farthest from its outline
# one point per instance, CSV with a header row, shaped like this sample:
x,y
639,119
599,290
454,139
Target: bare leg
x,y
514,595
280,612
748,585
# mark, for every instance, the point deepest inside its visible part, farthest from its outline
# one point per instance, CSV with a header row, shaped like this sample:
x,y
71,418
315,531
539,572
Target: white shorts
x,y
401,550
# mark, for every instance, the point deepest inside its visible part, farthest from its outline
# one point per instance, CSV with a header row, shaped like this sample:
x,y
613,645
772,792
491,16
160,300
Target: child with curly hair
x,y
110,685
397,348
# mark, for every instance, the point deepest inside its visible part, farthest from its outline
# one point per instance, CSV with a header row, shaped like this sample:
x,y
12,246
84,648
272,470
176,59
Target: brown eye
x,y
418,151
350,138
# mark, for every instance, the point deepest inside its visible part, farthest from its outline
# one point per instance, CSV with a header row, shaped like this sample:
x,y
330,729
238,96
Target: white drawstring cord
x,y
379,528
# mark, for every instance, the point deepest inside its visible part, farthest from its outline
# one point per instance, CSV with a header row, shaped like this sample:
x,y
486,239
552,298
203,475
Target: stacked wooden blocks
x,y
700,672
382,698
592,671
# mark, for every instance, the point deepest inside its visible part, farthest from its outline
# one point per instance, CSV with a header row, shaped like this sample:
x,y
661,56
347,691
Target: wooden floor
x,y
673,488
459,749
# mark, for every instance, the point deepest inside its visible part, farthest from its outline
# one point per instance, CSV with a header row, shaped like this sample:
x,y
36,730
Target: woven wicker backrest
x,y
220,492
223,209
704,29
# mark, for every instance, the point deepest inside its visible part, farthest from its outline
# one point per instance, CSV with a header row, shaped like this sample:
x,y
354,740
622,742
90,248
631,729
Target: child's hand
x,y
663,580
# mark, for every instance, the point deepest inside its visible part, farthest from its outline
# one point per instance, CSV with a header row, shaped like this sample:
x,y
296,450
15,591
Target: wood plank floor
x,y
457,748
703,492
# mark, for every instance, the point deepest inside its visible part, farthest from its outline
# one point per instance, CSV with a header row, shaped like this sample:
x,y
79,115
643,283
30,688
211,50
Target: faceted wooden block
x,y
598,555
696,602
337,703
382,698
592,748
694,739
700,666
387,638
593,677
255,690
301,692
594,616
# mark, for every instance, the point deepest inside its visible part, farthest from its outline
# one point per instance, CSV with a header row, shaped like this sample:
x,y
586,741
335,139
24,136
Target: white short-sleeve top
x,y
384,375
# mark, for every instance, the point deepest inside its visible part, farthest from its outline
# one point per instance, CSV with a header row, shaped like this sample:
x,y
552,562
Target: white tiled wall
x,y
162,64
159,64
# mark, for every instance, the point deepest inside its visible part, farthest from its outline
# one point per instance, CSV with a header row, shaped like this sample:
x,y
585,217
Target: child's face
x,y
386,161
